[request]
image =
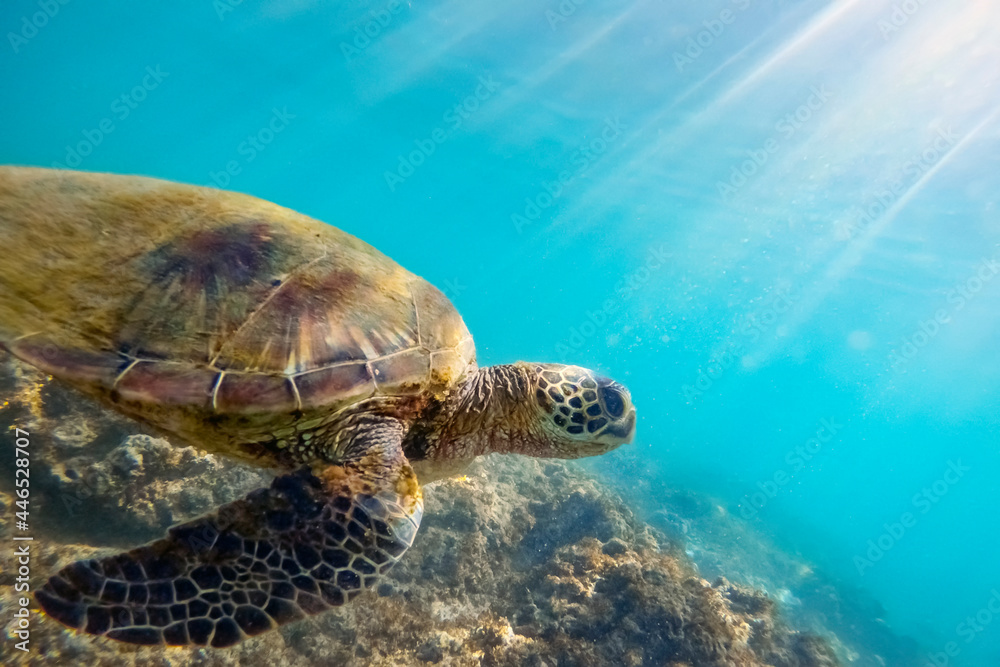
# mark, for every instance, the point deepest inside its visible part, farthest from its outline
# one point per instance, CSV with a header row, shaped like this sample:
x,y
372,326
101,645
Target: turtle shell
x,y
211,314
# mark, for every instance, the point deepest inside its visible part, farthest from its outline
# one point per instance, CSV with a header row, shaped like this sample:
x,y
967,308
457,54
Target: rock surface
x,y
520,563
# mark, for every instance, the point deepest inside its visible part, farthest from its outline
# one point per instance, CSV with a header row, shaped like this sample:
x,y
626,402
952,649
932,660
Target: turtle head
x,y
580,412
546,410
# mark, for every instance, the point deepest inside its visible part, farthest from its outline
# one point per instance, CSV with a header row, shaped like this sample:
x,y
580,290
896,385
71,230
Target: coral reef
x,y
719,542
521,562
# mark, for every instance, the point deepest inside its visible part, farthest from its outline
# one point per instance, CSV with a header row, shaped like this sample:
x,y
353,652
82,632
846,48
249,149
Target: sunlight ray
x,y
817,26
527,87
853,255
430,58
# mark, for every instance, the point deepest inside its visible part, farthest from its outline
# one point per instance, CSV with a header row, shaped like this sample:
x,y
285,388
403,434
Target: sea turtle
x,y
246,329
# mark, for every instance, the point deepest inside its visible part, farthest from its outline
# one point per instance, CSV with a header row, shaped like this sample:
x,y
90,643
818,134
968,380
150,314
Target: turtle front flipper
x,y
304,545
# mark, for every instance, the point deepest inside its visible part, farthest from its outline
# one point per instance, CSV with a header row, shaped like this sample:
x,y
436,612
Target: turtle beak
x,y
624,429
630,424
617,403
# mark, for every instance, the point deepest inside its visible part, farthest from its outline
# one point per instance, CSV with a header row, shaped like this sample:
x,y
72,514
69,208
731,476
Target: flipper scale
x,y
297,548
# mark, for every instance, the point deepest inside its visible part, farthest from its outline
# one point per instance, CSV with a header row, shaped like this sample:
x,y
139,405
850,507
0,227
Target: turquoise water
x,y
775,221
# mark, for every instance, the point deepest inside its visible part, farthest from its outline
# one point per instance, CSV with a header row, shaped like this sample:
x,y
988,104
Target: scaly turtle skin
x,y
249,330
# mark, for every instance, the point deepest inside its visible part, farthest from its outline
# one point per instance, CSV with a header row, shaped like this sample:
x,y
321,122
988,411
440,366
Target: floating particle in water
x,y
859,340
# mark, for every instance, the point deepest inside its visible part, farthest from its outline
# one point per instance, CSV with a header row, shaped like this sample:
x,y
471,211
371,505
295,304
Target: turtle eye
x,y
614,401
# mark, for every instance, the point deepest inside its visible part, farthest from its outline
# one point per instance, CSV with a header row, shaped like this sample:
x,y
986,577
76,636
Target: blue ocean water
x,y
776,222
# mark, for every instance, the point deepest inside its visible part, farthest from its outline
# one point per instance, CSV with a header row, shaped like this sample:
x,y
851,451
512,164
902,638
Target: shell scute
x,y
167,384
249,393
77,365
335,384
443,365
198,289
404,373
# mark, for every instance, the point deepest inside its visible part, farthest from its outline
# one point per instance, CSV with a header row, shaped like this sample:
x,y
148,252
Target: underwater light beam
x,y
818,25
416,32
530,83
597,191
849,258
852,256
711,75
